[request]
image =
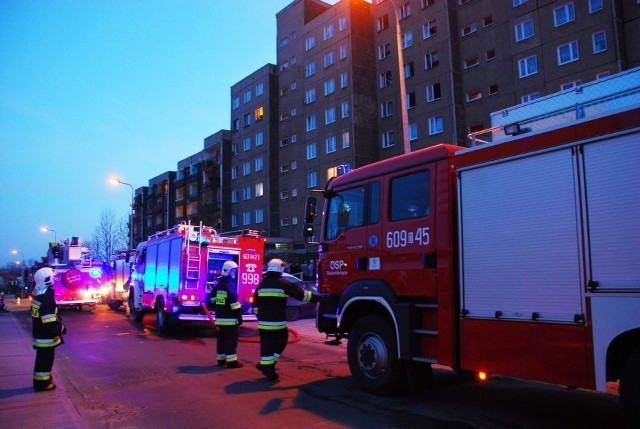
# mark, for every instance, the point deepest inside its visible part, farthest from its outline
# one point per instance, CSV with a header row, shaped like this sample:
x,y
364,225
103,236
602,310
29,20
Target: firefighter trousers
x,y
227,343
272,344
42,368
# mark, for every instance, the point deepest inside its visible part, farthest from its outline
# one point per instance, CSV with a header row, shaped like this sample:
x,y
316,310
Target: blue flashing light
x,y
95,272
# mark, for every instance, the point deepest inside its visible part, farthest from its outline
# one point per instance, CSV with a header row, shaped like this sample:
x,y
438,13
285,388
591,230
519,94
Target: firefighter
x,y
270,307
224,301
47,329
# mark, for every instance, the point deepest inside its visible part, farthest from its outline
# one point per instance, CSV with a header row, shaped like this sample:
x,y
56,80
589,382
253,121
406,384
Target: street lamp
x,y
16,252
47,229
117,181
401,80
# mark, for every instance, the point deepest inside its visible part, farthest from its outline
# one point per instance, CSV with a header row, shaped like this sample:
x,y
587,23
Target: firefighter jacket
x,y
46,324
270,300
224,301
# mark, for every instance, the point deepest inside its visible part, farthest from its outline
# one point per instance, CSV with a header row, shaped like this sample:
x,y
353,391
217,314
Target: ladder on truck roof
x,y
194,251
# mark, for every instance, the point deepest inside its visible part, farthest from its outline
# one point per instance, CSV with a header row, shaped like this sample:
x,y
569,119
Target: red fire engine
x,y
516,257
175,270
78,277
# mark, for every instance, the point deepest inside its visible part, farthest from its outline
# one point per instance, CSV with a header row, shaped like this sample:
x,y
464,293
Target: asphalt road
x,y
125,375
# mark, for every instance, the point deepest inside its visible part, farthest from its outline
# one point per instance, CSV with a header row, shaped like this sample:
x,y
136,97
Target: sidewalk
x,y
20,406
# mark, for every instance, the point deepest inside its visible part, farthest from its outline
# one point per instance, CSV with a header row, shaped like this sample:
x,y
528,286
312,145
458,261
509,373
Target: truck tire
x,y
136,315
162,318
372,356
629,389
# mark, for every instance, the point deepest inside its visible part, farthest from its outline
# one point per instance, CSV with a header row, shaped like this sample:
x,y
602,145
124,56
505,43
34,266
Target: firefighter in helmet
x,y
47,329
270,307
224,301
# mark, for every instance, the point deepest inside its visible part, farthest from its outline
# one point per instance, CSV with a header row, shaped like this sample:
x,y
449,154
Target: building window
x,y
246,143
259,89
312,151
490,54
570,85
474,95
487,21
246,218
345,140
595,5
328,59
247,119
343,52
382,23
236,125
234,220
344,80
310,69
284,142
413,131
310,96
259,113
247,96
404,11
410,102
493,89
431,60
409,71
385,79
329,87
471,62
468,29
311,123
407,40
259,138
342,23
436,125
599,42
331,144
309,43
426,3
234,172
429,29
327,32
344,109
235,103
246,168
530,97
524,30
384,51
564,14
259,164
386,109
234,196
330,115
568,53
259,215
433,92
246,193
388,139
528,66
312,179
517,3
605,73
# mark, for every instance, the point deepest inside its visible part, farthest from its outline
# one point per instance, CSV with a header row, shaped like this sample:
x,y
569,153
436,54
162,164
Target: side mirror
x,y
310,211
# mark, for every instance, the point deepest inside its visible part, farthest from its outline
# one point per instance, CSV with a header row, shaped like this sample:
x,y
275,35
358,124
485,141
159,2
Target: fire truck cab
x,y
176,269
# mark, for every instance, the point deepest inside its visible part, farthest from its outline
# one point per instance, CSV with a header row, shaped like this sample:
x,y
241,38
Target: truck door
x,y
408,257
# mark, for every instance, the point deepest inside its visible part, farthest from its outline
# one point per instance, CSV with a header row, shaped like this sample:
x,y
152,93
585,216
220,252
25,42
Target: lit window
x,y
259,113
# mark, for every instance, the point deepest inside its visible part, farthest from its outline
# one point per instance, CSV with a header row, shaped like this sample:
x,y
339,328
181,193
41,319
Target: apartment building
x,y
352,79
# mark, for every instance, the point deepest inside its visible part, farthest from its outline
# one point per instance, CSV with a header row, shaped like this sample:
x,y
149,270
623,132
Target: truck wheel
x,y
162,320
372,356
630,388
136,315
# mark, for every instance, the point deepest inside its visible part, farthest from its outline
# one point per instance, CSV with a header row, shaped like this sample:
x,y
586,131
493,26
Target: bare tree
x,y
110,235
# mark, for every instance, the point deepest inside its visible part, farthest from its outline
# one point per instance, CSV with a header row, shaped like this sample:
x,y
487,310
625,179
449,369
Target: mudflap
x,y
326,319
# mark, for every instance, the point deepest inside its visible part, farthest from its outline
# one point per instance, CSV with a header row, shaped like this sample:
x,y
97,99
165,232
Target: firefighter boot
x,y
235,364
222,362
47,388
269,371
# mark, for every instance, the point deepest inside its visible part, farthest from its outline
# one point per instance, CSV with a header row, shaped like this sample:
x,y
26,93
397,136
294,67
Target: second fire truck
x,y
175,270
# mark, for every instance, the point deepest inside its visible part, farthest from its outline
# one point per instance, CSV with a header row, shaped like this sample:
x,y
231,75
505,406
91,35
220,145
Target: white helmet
x,y
43,278
276,265
228,266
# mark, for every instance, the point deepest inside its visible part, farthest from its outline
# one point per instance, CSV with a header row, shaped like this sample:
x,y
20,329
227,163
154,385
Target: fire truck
x,y
78,278
176,269
517,256
116,291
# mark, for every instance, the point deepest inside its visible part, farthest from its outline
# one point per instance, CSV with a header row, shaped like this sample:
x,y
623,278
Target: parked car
x,y
297,309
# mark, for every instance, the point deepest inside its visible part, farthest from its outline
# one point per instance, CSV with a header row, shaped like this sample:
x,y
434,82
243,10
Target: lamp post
x,y
401,80
117,181
16,252
24,268
47,229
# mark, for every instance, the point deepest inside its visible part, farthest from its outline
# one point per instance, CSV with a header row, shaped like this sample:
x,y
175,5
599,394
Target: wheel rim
x,y
372,356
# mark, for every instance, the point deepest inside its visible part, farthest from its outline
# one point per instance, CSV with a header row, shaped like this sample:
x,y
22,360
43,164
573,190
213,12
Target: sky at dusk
x,y
93,89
